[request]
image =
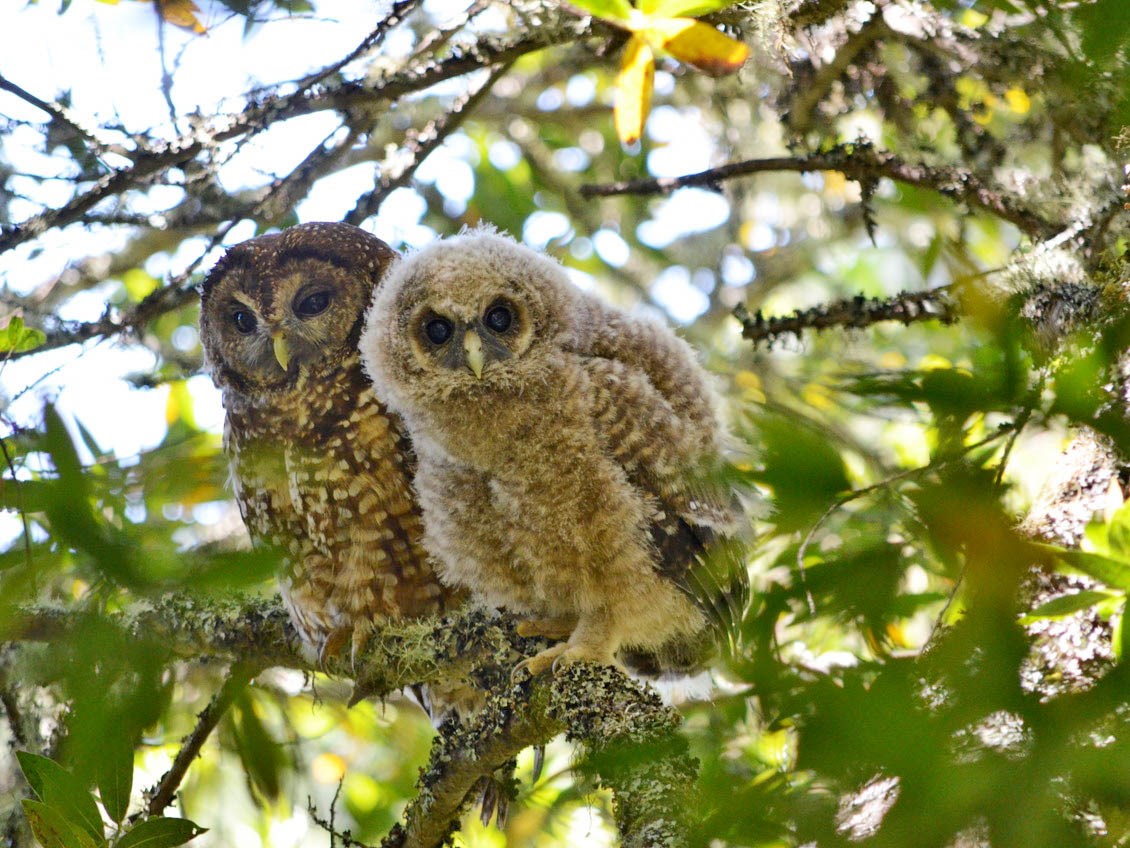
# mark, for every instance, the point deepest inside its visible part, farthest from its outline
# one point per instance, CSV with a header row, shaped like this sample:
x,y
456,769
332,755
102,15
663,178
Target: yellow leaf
x,y
973,19
633,90
747,380
178,406
181,13
697,44
1018,100
138,283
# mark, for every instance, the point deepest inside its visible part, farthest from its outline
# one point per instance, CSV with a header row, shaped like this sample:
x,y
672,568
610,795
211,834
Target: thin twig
x,y
438,37
418,146
857,162
396,15
906,307
60,115
166,789
166,77
175,294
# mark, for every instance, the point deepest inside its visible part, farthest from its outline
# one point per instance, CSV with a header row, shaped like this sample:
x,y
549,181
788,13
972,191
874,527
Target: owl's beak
x,y
282,349
473,346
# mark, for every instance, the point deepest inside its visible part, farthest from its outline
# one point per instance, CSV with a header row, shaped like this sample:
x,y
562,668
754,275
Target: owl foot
x,y
360,639
494,801
560,655
550,628
333,645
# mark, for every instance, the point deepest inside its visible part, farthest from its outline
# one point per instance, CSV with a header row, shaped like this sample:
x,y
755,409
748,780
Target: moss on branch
x,y
631,739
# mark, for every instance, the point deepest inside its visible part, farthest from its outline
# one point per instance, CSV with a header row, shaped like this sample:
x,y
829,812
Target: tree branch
x,y
489,51
595,705
907,307
614,717
857,162
419,145
61,116
161,795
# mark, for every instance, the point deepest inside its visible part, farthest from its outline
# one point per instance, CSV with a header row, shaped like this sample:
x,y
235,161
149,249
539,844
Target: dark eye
x,y
498,319
244,321
438,330
312,304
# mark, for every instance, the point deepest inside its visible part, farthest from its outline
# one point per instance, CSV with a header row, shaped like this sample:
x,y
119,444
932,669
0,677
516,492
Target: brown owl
x,y
319,466
566,448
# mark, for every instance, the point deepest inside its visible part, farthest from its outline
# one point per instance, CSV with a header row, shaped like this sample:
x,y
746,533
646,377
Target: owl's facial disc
x,y
476,344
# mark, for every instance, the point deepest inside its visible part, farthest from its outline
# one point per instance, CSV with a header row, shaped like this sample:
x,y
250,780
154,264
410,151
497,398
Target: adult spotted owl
x,y
319,467
566,450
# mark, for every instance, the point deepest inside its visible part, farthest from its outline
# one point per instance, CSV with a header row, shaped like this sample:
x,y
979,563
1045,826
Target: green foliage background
x,y
895,632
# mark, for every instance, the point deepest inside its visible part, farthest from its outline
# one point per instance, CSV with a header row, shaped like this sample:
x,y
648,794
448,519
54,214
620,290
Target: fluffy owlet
x,y
319,466
565,448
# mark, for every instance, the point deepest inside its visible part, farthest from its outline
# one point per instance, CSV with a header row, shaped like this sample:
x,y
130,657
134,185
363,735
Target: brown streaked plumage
x,y
566,450
319,467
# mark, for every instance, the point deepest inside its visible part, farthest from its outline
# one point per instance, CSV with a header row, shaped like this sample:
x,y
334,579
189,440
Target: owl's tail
x,y
718,582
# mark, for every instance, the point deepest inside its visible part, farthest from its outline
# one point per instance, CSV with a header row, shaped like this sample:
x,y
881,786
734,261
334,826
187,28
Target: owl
x,y
566,450
319,466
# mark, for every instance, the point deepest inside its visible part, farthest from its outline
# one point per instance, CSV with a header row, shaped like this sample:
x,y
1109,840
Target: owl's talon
x,y
332,646
359,641
538,663
582,653
539,763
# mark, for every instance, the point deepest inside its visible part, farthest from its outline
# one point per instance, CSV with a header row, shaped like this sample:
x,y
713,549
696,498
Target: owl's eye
x,y
312,304
498,318
438,330
244,321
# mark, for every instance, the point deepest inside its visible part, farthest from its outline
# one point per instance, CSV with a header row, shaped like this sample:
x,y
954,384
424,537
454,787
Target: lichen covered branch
x,y
857,312
631,742
631,739
858,162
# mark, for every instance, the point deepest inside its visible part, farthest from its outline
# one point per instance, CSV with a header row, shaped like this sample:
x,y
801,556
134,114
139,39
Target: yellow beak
x,y
282,349
473,345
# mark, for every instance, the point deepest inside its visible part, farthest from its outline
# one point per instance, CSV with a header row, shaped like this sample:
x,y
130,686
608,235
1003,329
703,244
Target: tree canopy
x,y
896,230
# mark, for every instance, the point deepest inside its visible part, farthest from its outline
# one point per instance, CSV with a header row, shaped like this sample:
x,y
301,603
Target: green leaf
x,y
610,10
803,467
259,753
1112,572
1118,533
61,790
1106,28
160,833
55,830
114,774
1066,605
17,338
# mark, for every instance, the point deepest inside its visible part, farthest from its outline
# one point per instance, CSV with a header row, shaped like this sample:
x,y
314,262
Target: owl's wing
x,y
650,349
667,443
259,482
263,490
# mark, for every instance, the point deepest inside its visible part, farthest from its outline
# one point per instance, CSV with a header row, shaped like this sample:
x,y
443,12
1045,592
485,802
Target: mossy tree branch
x,y
631,738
